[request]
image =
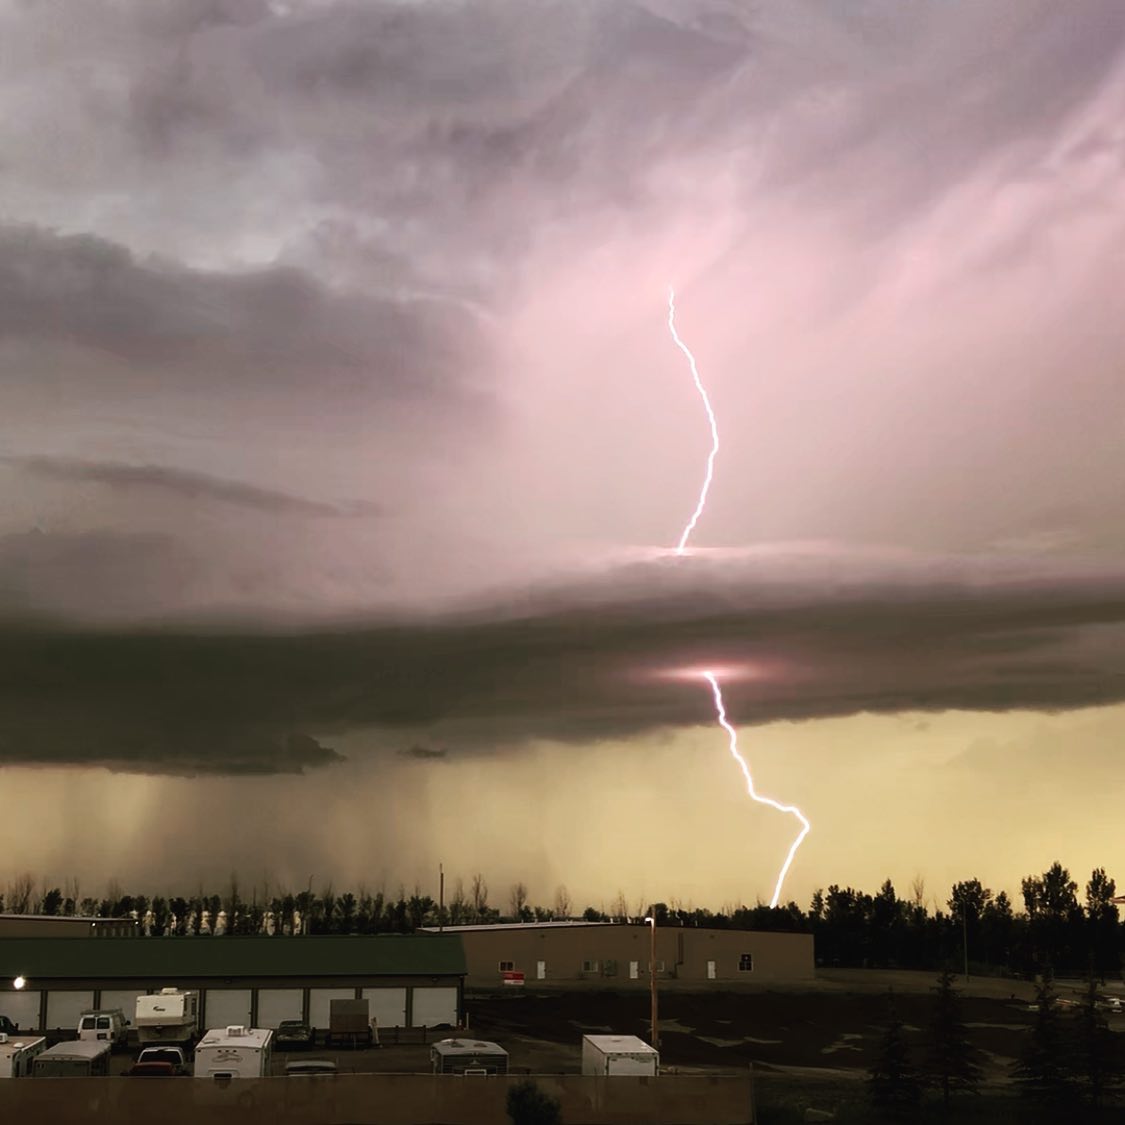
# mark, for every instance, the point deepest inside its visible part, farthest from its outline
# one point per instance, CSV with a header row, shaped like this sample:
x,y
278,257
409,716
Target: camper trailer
x,y
618,1054
168,1016
18,1053
76,1059
468,1056
234,1052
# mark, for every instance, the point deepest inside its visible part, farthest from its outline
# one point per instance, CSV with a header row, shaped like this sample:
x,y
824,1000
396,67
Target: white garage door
x,y
64,1008
22,1008
320,1003
225,1006
277,1004
434,1007
387,1005
123,998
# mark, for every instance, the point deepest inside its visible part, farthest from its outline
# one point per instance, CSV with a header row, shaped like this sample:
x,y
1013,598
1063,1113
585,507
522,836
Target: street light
x,y
19,983
654,1026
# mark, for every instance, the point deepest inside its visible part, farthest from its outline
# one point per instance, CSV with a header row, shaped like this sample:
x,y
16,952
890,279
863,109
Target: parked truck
x,y
18,1053
234,1052
168,1016
349,1021
618,1054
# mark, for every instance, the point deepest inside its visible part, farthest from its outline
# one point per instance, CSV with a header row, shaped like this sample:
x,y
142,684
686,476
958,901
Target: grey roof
x,y
179,959
87,918
515,926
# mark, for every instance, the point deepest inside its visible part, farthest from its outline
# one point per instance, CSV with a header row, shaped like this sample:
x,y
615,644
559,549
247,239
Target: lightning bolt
x,y
720,710
681,547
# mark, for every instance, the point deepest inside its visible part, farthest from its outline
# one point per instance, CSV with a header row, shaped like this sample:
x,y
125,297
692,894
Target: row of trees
x,y
1072,1061
851,928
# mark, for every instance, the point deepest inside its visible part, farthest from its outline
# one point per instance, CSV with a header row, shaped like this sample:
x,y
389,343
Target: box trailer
x,y
468,1056
234,1052
79,1058
618,1054
168,1016
349,1021
17,1054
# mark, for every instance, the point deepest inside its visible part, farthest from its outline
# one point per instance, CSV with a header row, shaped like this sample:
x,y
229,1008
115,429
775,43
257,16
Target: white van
x,y
234,1052
105,1023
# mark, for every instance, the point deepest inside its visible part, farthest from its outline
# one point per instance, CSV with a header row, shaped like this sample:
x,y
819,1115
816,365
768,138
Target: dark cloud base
x,y
571,668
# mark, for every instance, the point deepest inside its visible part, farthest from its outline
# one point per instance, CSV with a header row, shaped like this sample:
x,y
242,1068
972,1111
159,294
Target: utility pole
x,y
965,936
654,1023
441,898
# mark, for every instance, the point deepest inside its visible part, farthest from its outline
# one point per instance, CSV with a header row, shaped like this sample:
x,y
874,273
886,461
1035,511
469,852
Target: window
x,y
746,963
659,966
589,966
507,966
609,969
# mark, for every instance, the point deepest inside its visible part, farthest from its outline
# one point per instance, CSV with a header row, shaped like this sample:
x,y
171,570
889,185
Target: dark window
x,y
746,963
589,966
507,966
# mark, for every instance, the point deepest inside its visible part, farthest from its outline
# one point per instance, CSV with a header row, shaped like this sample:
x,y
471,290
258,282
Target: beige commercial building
x,y
618,953
66,926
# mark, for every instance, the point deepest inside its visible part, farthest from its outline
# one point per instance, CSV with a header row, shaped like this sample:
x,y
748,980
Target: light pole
x,y
654,1024
965,936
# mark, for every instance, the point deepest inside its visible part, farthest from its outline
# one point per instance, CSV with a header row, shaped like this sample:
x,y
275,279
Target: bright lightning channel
x,y
681,547
792,809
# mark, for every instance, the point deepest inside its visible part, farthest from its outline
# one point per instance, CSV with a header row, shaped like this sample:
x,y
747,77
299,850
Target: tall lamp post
x,y
654,1025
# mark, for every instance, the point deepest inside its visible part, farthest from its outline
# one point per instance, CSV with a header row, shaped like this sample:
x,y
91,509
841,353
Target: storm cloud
x,y
571,669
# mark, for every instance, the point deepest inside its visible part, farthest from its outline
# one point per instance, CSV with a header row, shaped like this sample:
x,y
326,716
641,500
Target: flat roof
x,y
87,918
515,926
621,1043
254,1038
177,960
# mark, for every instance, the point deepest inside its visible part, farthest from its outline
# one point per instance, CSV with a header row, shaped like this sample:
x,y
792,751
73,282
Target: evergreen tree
x,y
892,1081
1043,1072
1096,1054
952,1061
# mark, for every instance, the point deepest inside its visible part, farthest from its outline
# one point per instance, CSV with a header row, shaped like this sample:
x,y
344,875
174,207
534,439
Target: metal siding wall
x,y
434,1007
22,1008
277,1004
123,998
225,1006
64,1008
387,1005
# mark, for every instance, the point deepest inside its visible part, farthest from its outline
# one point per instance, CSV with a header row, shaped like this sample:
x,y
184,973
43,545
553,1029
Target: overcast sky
x,y
343,441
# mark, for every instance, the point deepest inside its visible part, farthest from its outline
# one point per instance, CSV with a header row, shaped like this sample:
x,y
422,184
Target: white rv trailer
x,y
234,1052
168,1016
618,1054
18,1052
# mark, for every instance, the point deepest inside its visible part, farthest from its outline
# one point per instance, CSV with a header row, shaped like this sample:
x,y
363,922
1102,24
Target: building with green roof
x,y
410,980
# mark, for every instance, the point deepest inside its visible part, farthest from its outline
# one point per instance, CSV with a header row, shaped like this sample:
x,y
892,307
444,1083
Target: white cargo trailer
x,y
17,1053
234,1052
168,1016
618,1054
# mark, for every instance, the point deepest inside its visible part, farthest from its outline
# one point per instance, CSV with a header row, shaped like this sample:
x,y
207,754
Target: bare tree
x,y
619,911
918,890
458,904
20,890
562,901
517,900
479,891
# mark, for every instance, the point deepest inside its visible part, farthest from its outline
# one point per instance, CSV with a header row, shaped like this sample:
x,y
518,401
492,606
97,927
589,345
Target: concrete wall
x,y
375,1099
566,951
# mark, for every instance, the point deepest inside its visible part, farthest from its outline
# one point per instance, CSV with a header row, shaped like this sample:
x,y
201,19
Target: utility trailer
x,y
78,1058
618,1054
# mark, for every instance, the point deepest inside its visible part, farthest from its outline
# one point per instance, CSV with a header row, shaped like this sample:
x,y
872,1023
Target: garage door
x,y
123,998
387,1005
225,1006
64,1008
320,1000
22,1008
277,1004
434,1007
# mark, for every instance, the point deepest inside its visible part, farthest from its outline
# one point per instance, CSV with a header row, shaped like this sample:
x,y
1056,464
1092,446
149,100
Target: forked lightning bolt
x,y
792,809
682,545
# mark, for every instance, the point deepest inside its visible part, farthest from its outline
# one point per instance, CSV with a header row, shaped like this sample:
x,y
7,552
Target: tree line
x,y
851,928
